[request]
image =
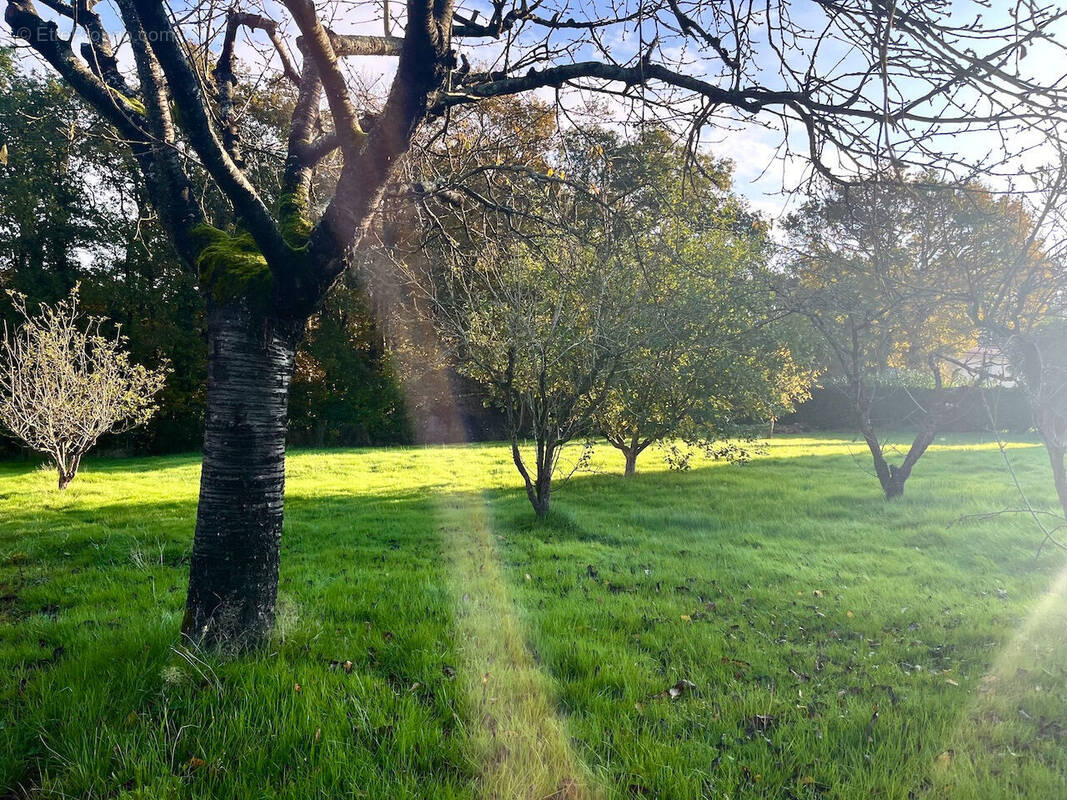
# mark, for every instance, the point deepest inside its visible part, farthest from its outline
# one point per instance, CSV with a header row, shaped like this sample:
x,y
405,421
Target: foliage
x,y
64,384
346,390
803,621
879,271
711,356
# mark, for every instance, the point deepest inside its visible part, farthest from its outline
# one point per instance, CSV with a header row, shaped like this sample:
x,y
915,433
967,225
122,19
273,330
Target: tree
x,y
910,73
1016,297
875,269
708,358
63,384
544,328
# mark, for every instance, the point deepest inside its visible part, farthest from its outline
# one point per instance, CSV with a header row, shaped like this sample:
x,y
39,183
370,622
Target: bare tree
x,y
854,82
64,383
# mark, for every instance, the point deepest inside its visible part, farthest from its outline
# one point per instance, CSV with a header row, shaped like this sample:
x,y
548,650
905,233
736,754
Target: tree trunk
x,y
890,476
233,580
1059,473
631,461
67,469
543,500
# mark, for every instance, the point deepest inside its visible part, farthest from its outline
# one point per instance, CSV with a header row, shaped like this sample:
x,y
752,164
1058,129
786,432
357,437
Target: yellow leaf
x,y
3,154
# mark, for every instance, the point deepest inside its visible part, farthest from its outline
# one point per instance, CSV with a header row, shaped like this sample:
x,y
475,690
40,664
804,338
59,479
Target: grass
x,y
435,641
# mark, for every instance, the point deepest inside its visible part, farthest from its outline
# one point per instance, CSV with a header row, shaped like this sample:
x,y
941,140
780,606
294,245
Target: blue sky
x,y
761,173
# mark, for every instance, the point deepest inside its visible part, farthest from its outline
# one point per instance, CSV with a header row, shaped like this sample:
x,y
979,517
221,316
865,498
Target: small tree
x,y
544,330
876,269
64,383
707,359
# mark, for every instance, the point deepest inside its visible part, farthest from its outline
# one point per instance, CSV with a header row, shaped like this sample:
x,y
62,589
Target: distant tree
x,y
345,389
544,328
876,269
708,358
63,384
1016,297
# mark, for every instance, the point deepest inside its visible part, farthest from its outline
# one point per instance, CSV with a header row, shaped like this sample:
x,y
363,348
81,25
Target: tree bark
x,y
1059,473
631,461
233,581
67,469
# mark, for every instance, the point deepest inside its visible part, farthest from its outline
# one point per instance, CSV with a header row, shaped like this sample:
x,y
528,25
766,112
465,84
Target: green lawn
x,y
435,641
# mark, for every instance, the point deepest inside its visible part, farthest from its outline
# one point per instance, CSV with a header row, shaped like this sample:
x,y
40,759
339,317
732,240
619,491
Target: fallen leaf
x,y
297,687
195,763
951,682
944,760
347,666
849,614
686,618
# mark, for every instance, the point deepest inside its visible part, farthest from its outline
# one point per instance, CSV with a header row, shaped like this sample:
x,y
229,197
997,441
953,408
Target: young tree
x,y
874,269
64,384
265,268
544,328
707,357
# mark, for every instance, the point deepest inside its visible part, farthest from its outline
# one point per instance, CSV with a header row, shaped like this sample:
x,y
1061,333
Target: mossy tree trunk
x,y
233,581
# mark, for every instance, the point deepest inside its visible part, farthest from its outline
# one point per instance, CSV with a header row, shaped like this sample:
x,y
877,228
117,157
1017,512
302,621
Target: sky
x,y
761,173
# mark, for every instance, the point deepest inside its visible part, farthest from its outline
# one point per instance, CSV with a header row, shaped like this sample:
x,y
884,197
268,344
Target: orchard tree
x,y
877,81
878,270
1016,298
544,326
706,359
64,384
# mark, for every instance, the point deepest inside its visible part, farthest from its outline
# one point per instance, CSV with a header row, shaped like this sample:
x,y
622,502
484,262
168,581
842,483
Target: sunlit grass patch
x,y
837,646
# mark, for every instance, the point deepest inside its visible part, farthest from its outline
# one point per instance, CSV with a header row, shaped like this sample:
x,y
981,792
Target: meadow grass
x,y
435,641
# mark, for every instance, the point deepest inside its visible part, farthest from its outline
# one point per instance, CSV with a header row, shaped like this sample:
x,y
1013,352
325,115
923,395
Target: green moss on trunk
x,y
231,266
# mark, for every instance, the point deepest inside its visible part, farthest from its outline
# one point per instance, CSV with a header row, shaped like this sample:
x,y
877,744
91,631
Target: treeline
x,y
72,212
696,306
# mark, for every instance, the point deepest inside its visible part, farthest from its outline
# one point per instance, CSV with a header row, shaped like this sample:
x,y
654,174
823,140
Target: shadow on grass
x,y
804,578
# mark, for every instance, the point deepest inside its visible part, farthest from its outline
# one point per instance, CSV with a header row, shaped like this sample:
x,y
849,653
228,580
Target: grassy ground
x,y
436,642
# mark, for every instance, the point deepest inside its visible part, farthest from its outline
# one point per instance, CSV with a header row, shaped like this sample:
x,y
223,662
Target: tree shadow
x,y
361,677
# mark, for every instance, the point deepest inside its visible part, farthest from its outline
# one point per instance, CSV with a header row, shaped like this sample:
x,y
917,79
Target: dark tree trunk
x,y
631,461
233,581
891,476
538,486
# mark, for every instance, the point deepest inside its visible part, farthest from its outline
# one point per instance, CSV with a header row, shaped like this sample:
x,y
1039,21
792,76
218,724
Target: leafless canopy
x,y
851,83
64,384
